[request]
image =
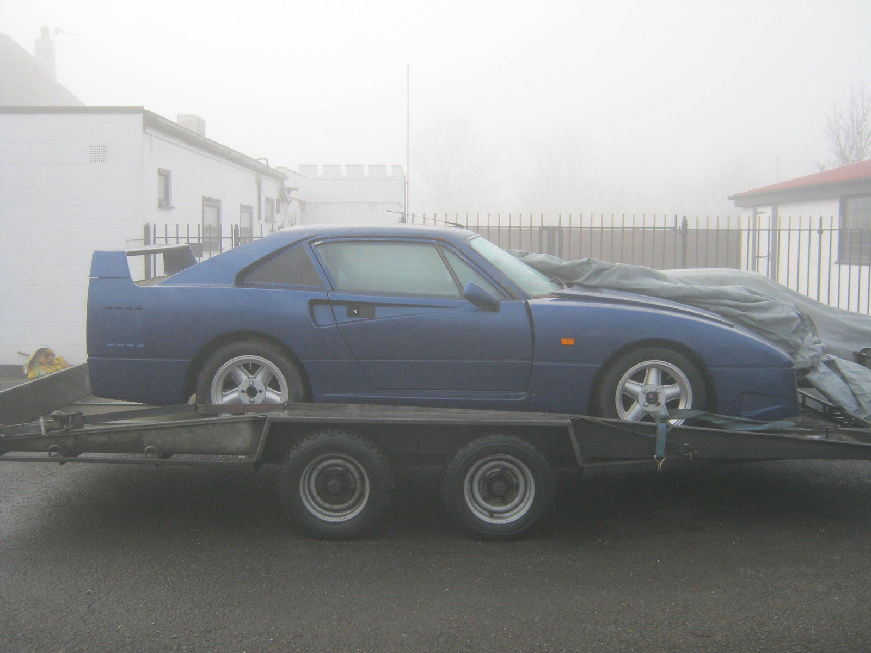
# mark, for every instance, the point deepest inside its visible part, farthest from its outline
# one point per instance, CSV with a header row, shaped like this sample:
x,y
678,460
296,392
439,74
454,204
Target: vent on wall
x,y
99,154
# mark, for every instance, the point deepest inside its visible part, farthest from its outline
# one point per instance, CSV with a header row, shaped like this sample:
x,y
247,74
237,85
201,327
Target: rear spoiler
x,y
113,264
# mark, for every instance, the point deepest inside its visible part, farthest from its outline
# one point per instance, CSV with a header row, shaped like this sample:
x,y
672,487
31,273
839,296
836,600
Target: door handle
x,y
360,310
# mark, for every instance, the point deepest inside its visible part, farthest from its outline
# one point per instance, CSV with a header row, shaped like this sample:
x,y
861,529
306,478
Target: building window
x,y
164,188
270,210
211,226
854,246
246,222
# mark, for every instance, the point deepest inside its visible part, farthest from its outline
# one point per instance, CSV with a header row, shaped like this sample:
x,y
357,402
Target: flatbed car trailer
x,y
336,461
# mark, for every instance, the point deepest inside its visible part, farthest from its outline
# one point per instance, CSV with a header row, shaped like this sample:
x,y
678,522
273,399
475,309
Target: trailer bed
x,y
173,435
336,461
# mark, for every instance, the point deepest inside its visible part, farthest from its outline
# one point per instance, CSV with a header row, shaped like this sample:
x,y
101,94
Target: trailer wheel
x,y
498,487
335,485
249,372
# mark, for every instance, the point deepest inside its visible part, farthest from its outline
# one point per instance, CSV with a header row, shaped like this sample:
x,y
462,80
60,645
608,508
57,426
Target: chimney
x,y
43,52
192,122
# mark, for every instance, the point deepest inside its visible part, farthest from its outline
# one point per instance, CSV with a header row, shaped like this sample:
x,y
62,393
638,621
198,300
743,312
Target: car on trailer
x,y
412,315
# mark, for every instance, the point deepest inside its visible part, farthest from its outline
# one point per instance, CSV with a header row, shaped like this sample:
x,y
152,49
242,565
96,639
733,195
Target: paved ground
x,y
760,557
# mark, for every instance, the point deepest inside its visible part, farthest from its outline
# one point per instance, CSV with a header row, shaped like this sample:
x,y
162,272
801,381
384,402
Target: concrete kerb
x,y
34,398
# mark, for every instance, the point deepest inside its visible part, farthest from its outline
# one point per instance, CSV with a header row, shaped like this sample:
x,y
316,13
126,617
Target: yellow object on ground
x,y
43,362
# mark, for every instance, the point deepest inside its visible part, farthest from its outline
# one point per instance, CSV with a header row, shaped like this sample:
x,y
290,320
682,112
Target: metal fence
x,y
812,256
652,241
205,243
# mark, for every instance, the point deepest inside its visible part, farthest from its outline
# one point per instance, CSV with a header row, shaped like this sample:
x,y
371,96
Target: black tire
x,y
498,487
250,372
637,381
335,485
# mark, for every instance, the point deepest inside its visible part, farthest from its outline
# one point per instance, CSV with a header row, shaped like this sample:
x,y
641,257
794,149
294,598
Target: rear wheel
x,y
498,487
335,485
648,382
249,372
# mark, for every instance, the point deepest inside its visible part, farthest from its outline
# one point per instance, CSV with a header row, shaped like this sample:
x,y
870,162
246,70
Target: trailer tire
x,y
498,487
335,485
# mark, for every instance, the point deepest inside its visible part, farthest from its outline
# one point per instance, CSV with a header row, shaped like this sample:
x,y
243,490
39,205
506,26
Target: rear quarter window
x,y
291,268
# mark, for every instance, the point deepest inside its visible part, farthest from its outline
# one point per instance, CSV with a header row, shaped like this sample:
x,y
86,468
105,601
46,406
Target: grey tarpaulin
x,y
820,339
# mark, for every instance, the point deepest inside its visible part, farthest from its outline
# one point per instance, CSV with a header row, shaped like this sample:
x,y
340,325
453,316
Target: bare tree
x,y
555,181
849,129
451,169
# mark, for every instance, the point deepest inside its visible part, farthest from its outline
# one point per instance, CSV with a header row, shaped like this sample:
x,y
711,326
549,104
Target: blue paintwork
x,y
143,340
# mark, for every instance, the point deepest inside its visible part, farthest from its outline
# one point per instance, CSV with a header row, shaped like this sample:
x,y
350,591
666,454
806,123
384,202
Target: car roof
x,y
222,269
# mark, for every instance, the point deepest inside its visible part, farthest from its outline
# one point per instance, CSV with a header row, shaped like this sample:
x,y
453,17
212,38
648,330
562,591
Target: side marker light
x,y
567,342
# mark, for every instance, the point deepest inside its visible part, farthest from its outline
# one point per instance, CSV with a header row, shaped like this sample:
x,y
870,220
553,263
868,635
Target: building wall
x,y
815,209
69,184
196,174
810,209
801,250
351,194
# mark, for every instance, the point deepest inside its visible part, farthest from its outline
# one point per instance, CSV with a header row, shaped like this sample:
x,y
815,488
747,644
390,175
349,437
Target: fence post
x,y
146,240
684,240
774,245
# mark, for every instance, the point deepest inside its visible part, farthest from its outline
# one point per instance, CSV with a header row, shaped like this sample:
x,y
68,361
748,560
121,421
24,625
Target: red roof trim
x,y
853,172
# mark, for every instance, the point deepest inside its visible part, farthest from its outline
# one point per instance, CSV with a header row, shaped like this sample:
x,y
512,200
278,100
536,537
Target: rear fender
x,y
111,308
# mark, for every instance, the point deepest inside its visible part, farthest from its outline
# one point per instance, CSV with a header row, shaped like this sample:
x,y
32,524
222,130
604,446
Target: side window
x,y
393,268
293,267
854,237
466,273
164,188
212,241
246,222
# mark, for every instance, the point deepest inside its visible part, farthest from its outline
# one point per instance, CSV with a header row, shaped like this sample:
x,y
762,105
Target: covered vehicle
x,y
420,316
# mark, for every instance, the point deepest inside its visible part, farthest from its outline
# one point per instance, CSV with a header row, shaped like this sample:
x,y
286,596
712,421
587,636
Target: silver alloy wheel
x,y
651,387
249,379
499,489
334,487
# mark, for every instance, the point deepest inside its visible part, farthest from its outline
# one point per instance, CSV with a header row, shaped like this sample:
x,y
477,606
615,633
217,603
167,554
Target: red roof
x,y
853,172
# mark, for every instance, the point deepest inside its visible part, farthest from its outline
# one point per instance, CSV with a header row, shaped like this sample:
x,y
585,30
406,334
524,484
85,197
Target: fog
x,y
550,106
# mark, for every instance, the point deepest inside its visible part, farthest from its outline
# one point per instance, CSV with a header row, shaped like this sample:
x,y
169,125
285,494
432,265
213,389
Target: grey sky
x,y
671,106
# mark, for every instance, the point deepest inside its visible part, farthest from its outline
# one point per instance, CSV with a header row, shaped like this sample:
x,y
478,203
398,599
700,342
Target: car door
x,y
399,307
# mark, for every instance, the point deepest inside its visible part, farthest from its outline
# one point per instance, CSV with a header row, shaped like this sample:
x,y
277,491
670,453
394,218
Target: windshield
x,y
531,281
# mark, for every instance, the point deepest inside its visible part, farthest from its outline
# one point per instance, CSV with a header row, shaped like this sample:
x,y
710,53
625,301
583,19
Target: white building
x,y
76,179
813,233
351,194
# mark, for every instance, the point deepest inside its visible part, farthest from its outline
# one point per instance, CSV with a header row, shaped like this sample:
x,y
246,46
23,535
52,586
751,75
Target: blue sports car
x,y
415,315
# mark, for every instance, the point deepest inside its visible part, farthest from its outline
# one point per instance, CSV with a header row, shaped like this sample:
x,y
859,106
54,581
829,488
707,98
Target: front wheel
x,y
498,487
645,384
335,485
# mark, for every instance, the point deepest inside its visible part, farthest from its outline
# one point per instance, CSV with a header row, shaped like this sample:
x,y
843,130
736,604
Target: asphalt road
x,y
757,557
